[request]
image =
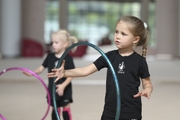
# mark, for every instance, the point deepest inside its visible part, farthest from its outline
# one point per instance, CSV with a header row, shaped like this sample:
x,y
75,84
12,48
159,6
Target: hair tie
x,y
68,35
145,25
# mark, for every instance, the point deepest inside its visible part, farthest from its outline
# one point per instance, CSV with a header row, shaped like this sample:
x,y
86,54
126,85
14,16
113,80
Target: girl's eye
x,y
123,33
116,31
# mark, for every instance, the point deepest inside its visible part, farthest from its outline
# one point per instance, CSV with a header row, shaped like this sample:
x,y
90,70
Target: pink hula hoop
x,y
39,78
3,118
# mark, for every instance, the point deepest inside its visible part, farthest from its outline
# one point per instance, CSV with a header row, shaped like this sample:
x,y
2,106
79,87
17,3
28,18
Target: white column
x,y
167,27
144,10
63,14
10,27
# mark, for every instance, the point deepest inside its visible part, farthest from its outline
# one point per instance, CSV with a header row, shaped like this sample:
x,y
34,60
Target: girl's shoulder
x,y
68,58
138,56
112,52
50,54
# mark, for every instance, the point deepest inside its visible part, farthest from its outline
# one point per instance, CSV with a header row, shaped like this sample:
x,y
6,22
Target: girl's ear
x,y
66,44
136,39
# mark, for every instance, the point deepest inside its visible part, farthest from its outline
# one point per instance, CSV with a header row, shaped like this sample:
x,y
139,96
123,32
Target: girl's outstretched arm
x,y
147,88
39,70
77,72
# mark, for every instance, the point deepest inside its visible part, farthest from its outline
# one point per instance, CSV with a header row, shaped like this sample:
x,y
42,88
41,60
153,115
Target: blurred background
x,y
25,30
31,22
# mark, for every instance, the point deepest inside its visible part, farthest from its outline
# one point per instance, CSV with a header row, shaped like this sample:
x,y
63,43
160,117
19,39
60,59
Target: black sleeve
x,y
45,62
144,70
69,63
101,61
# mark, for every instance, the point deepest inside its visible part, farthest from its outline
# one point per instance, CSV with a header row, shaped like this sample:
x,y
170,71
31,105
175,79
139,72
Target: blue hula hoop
x,y
112,70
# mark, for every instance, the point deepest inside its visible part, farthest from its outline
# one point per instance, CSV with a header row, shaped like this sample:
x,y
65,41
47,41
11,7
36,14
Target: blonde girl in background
x,y
130,67
61,40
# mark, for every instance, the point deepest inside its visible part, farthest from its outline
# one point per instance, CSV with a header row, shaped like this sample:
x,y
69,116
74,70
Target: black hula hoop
x,y
112,70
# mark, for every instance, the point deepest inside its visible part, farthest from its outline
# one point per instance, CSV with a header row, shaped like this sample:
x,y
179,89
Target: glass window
x,y
51,19
93,20
151,25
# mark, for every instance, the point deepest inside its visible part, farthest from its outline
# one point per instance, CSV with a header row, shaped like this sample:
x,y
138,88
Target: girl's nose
x,y
118,35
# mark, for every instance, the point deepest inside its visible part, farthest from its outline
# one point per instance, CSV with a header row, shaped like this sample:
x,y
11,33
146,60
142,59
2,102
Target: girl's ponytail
x,y
72,40
144,50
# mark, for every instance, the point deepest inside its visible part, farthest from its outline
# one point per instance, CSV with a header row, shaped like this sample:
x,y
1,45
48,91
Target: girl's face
x,y
123,37
59,43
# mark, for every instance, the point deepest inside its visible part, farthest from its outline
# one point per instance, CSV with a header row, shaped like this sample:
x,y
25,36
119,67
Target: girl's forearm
x,y
147,84
39,70
67,81
80,72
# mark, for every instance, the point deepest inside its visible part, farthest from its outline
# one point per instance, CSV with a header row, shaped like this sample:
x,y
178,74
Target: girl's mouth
x,y
117,42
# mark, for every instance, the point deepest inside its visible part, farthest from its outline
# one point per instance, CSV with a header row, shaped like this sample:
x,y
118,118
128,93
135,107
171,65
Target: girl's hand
x,y
60,89
27,73
59,73
146,93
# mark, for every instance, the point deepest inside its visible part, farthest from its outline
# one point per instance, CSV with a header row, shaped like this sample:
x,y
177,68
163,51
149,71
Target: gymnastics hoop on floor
x,y
3,118
112,70
39,78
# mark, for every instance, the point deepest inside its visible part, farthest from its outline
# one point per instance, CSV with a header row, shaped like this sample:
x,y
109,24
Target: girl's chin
x,y
117,45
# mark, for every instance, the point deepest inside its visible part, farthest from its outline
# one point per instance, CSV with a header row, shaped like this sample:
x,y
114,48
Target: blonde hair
x,y
138,28
70,39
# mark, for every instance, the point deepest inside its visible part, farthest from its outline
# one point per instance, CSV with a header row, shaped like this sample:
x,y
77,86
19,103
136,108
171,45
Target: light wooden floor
x,y
23,98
